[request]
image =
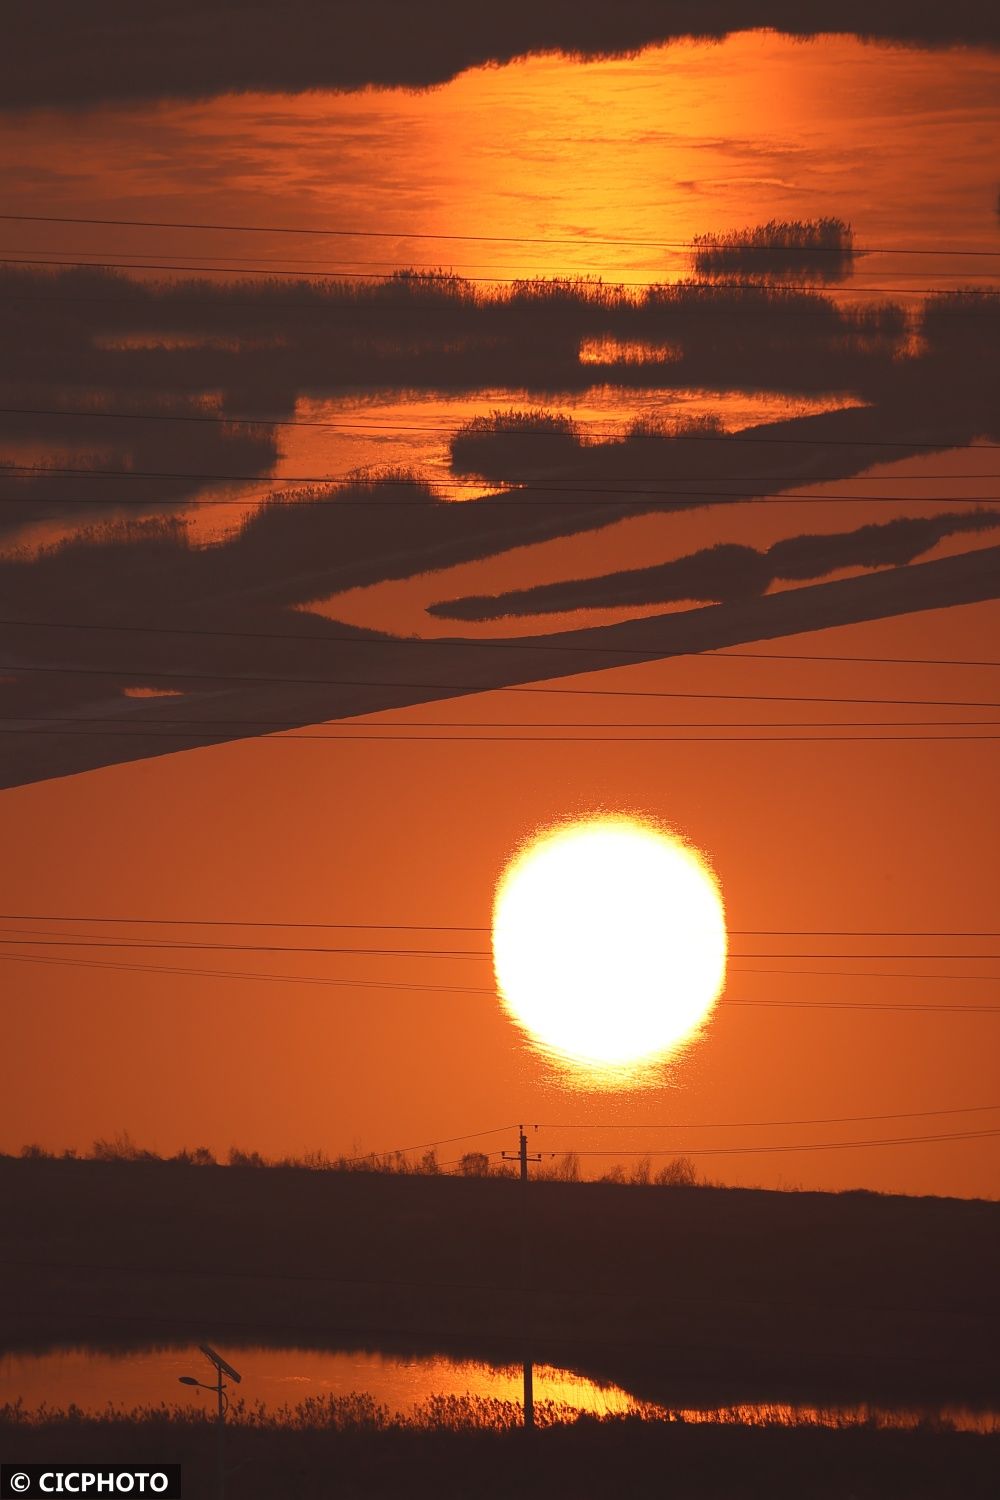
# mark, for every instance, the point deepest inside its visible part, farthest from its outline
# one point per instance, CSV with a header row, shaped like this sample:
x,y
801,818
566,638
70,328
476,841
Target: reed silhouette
x,y
680,1172
464,1447
264,344
814,249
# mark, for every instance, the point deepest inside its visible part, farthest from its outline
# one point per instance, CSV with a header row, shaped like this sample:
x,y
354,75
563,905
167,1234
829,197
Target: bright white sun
x,y
609,941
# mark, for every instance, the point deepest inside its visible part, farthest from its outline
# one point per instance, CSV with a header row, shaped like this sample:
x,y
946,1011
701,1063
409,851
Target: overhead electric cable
x,y
156,921
69,940
227,420
727,1005
909,1140
138,672
146,730
447,1140
213,727
635,494
911,1114
578,241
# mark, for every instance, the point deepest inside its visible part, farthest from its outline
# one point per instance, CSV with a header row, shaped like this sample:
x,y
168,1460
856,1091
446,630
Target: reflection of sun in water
x,y
609,942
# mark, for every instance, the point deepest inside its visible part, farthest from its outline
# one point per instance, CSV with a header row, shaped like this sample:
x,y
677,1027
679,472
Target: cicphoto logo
x,y
31,1481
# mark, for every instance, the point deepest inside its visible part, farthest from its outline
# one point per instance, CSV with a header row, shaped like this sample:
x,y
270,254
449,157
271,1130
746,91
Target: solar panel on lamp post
x,y
222,1369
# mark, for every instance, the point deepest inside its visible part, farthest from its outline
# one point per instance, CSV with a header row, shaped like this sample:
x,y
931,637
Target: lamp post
x,y
221,1370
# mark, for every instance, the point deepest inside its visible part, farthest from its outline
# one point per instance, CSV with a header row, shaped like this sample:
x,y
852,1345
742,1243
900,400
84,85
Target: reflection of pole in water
x,y
529,1369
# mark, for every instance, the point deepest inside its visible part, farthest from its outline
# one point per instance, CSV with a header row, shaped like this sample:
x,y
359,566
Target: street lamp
x,y
221,1369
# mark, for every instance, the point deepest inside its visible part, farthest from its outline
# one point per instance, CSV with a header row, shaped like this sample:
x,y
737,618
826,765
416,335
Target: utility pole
x,y
523,1158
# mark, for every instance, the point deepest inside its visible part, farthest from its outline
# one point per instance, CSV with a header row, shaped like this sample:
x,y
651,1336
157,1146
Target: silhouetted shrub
x,y
238,1158
120,1148
678,1173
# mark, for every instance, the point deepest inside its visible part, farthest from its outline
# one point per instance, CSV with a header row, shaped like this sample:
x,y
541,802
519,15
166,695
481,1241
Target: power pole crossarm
x,y
521,1155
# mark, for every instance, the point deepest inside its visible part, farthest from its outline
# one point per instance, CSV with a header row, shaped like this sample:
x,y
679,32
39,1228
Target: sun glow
x,y
609,942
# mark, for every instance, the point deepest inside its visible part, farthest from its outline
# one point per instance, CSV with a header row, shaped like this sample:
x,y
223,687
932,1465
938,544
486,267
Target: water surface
x,y
93,1380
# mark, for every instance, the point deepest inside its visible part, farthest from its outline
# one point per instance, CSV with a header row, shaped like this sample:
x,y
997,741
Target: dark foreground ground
x,y
605,1459
677,1294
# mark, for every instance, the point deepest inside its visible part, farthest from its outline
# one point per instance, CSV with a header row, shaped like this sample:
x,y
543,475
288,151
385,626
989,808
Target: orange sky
x,y
854,836
830,836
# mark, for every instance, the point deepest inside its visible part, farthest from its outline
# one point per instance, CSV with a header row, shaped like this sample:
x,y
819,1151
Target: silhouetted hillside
x,y
850,1294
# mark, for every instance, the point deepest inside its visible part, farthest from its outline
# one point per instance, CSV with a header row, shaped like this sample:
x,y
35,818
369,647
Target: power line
x,y
589,271
438,988
579,242
453,927
635,494
413,986
69,940
910,1140
803,281
449,1140
911,1114
405,275
218,419
222,419
222,725
142,672
495,645
214,737
870,974
363,258
349,273
808,280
